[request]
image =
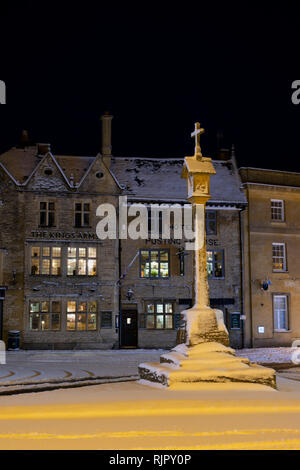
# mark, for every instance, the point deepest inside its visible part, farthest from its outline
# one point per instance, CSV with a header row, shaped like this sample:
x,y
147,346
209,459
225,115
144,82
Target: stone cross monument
x,y
205,355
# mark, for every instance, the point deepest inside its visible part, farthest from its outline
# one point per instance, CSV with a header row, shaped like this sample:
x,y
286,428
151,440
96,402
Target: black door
x,y
129,329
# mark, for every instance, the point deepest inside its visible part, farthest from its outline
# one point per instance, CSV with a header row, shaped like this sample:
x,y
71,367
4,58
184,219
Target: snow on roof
x,y
153,178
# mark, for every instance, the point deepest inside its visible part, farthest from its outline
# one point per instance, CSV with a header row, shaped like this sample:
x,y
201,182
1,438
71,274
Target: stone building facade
x,y
65,288
158,181
271,267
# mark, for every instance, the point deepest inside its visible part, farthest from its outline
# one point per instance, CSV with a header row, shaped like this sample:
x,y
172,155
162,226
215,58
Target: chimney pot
x,y
106,137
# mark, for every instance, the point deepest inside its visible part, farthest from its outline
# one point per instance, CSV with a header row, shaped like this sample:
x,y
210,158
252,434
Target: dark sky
x,y
157,67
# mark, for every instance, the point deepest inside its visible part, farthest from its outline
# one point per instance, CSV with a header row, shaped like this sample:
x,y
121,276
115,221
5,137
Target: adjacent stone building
x,y
271,267
65,288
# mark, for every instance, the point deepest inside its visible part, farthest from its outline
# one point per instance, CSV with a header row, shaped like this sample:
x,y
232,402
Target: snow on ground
x,y
28,366
265,355
133,416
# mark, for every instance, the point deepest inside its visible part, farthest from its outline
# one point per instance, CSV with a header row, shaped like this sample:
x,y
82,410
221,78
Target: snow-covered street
x,y
131,415
39,367
134,416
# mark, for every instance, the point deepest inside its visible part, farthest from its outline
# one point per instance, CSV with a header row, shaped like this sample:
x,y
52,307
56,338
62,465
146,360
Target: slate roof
x,y
160,179
21,162
142,178
269,177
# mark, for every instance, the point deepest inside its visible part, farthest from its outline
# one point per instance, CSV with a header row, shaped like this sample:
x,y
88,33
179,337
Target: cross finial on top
x,y
197,133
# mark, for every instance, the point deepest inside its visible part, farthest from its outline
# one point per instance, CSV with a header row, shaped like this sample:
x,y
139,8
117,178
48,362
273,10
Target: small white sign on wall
x,y
261,329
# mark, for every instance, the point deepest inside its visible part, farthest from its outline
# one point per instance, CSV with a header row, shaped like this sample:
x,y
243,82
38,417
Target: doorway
x,y
129,329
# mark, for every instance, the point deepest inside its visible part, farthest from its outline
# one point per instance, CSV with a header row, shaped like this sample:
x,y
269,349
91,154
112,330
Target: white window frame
x,y
282,210
284,269
276,317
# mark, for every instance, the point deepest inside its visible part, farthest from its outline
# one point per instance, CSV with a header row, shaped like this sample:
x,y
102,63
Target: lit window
x,y
44,315
278,257
46,260
82,315
47,214
215,264
277,210
82,261
154,263
158,315
82,214
280,304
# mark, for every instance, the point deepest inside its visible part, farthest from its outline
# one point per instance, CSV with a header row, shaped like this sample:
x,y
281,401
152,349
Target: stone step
x,y
166,375
219,358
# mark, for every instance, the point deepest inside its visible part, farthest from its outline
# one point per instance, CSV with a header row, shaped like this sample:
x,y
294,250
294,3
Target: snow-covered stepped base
x,y
205,362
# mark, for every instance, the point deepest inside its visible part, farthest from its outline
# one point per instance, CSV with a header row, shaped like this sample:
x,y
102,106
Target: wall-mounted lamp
x,y
129,294
264,285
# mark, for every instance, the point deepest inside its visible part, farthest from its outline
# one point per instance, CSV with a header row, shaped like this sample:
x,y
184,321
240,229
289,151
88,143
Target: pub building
x,y
64,288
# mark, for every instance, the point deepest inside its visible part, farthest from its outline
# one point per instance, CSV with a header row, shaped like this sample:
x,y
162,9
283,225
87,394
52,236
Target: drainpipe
x,y
241,276
120,292
250,274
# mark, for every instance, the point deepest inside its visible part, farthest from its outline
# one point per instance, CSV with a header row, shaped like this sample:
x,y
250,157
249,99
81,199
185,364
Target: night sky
x,y
157,67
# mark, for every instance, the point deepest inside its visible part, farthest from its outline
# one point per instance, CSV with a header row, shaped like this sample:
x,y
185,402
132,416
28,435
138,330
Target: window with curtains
x,y
154,264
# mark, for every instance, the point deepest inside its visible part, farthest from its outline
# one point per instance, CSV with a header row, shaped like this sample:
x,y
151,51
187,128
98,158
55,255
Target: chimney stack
x,y
106,137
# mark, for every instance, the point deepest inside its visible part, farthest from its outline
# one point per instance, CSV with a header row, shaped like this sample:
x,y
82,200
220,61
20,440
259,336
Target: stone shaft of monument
x,y
200,258
203,324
